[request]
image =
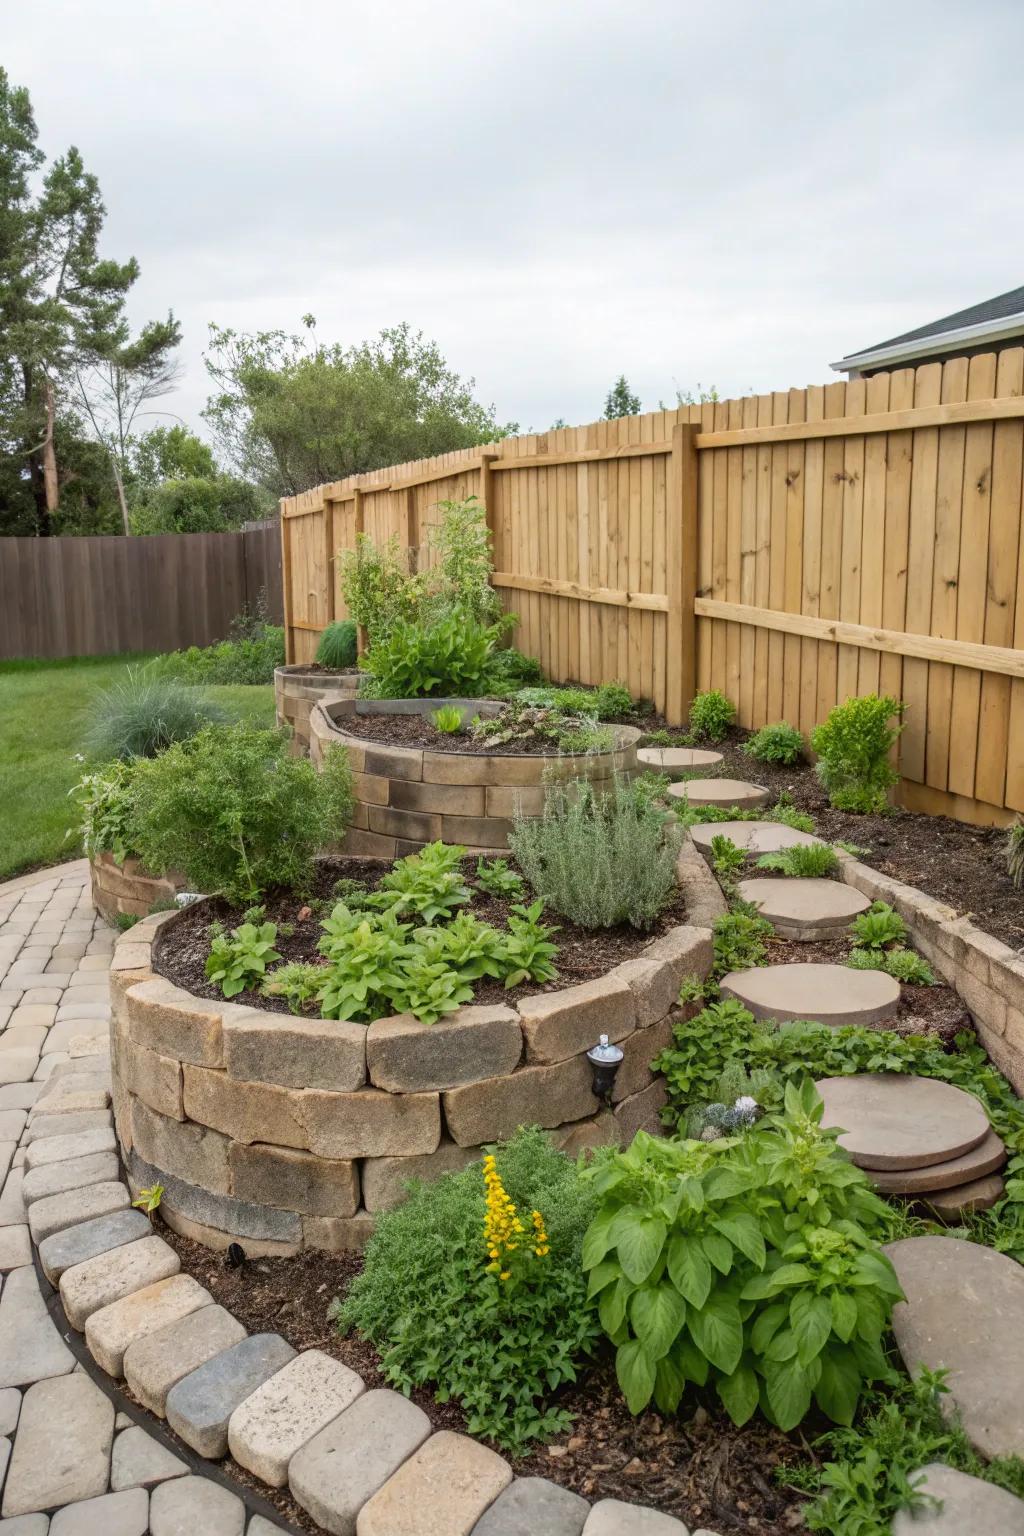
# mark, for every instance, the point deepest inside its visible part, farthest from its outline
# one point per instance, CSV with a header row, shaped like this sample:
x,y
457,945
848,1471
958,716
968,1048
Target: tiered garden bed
x,y
298,688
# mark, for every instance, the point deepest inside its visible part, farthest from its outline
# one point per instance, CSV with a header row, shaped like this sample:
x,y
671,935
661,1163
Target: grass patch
x,y
44,709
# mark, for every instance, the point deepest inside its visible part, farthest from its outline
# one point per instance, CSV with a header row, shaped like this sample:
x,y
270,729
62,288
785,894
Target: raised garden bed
x,y
298,688
128,890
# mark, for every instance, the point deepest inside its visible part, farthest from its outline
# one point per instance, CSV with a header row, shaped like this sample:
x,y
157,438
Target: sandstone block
x,y
653,985
638,1051
504,800
370,845
74,1245
393,762
558,1025
476,831
153,1078
385,1178
173,1023
267,1429
155,1363
419,826
70,1207
241,1219
200,1405
371,788
338,1234
297,1181
547,1096
442,1490
113,1328
191,1152
687,950
62,1451
370,1123
472,1043
245,1111
294,1052
58,1178
336,1472
585,1135
107,1277
450,799
641,1112
217,1240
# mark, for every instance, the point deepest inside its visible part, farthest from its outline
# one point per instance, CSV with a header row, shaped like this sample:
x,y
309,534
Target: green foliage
x,y
495,877
598,860
198,504
620,400
740,939
143,715
250,659
900,963
236,813
461,574
448,656
1015,854
853,748
750,1263
853,849
711,715
297,983
804,861
509,670
426,1300
378,590
148,1199
238,960
607,702
544,728
528,953
781,743
727,861
878,927
787,815
104,802
337,646
171,453
429,884
447,719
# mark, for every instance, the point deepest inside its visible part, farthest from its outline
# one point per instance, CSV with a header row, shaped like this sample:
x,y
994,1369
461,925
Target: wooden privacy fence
x,y
791,549
104,596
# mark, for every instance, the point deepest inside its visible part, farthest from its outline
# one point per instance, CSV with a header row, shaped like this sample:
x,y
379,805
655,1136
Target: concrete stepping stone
x,y
530,1505
76,1244
96,1282
949,1205
965,1310
31,1348
200,1405
969,1506
139,1461
677,759
442,1490
59,1149
754,837
62,1450
829,994
723,793
894,1121
73,1207
611,1517
805,909
336,1472
112,1514
986,1157
194,1506
58,1178
154,1364
266,1430
113,1328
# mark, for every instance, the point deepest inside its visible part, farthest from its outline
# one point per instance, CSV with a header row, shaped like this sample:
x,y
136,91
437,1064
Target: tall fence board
x,y
104,596
791,549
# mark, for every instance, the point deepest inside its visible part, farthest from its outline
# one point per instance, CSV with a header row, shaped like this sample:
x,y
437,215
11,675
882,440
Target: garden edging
x,y
128,889
298,688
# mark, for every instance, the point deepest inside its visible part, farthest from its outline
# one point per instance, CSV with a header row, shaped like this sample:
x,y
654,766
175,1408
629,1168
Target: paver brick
x,y
557,1025
31,1348
194,1506
154,1364
60,1178
61,1149
531,1505
547,1096
200,1405
75,1244
173,1023
611,1517
336,1472
15,1248
66,1125
62,1451
111,1514
17,1066
294,1052
298,1181
108,1277
370,1123
442,1490
384,1179
153,1078
139,1461
266,1430
74,1206
191,1152
111,1330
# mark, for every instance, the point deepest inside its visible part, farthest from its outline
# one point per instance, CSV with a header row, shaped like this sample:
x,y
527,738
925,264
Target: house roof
x,y
993,320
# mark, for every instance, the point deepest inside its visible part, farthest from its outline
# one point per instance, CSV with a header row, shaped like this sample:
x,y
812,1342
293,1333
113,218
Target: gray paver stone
x,y
76,1244
108,1277
970,1507
610,1517
530,1505
25,1525
15,1248
442,1490
62,1452
266,1430
30,1346
67,1125
12,1123
112,1514
333,1475
194,1506
58,1178
152,1365
111,1330
139,1461
10,1407
60,1149
74,1207
200,1405
12,1203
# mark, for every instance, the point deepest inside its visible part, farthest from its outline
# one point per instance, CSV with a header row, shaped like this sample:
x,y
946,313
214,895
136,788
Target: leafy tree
x,y
198,504
291,413
621,400
171,453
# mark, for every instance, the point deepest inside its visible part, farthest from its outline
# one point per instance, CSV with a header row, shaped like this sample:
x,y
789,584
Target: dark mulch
x,y
959,864
419,731
698,1466
583,953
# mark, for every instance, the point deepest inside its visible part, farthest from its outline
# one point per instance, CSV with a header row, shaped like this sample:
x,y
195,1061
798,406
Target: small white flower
x,y
745,1104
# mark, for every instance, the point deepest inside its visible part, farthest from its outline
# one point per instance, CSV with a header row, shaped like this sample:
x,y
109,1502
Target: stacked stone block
x,y
298,689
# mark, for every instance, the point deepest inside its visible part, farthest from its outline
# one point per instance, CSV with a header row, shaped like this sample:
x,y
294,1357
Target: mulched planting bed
x,y
956,863
583,953
418,732
697,1466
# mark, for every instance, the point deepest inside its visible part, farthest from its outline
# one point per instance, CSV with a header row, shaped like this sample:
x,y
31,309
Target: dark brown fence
x,y
104,596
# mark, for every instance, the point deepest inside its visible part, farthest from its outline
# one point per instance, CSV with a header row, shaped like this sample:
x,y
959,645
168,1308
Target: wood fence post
x,y
329,557
286,585
681,586
486,493
358,529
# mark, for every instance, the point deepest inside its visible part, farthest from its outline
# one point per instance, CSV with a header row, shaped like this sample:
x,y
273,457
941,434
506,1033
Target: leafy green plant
x,y
439,1316
853,747
448,656
447,719
878,927
727,861
238,960
598,860
711,715
781,743
246,659
429,884
787,815
853,849
237,813
461,573
509,670
144,714
362,949
804,861
377,589
148,1199
902,964
496,878
527,952
747,1262
125,920
1015,854
338,646
104,804
297,983
740,939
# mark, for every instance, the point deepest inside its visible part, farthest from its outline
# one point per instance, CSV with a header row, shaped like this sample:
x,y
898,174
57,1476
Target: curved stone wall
x,y
128,890
298,688
407,797
281,1132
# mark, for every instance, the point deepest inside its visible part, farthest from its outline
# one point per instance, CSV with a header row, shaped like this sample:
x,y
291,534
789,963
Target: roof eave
x,y
927,346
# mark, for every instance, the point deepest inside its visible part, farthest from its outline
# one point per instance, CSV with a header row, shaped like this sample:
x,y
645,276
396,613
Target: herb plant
x,y
496,878
900,963
428,884
804,861
238,960
338,645
853,747
878,927
740,939
416,659
781,743
447,719
105,808
711,715
297,983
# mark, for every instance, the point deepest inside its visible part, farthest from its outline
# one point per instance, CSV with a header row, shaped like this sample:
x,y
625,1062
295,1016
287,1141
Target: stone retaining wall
x,y
408,797
298,688
284,1132
128,889
986,974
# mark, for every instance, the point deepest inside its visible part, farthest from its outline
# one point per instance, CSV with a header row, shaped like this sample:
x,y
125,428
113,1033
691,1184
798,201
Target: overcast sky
x,y
556,191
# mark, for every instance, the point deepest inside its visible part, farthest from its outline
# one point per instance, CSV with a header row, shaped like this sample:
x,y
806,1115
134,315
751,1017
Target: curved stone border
x,y
298,688
285,1132
128,889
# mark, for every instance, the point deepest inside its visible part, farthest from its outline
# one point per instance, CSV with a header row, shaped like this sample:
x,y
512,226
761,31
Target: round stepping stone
x,y
754,837
677,759
965,1311
805,909
828,994
890,1121
723,793
963,1504
986,1157
964,1199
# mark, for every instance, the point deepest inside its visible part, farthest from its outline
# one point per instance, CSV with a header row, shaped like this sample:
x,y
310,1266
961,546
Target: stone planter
x,y
408,797
281,1132
298,688
128,889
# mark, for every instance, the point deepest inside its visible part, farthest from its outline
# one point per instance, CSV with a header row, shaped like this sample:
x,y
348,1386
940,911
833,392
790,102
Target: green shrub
x,y
236,813
495,877
853,749
104,802
749,1262
740,939
804,861
711,715
509,670
338,645
377,589
781,743
239,959
198,504
902,964
460,576
447,720
878,927
142,715
1015,854
439,1315
448,656
787,815
598,860
249,658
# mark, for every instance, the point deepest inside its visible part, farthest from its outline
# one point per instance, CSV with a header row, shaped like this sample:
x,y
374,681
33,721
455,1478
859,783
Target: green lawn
x,y
43,709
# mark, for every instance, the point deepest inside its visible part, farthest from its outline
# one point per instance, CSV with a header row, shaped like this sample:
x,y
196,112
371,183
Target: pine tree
x,y
621,400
